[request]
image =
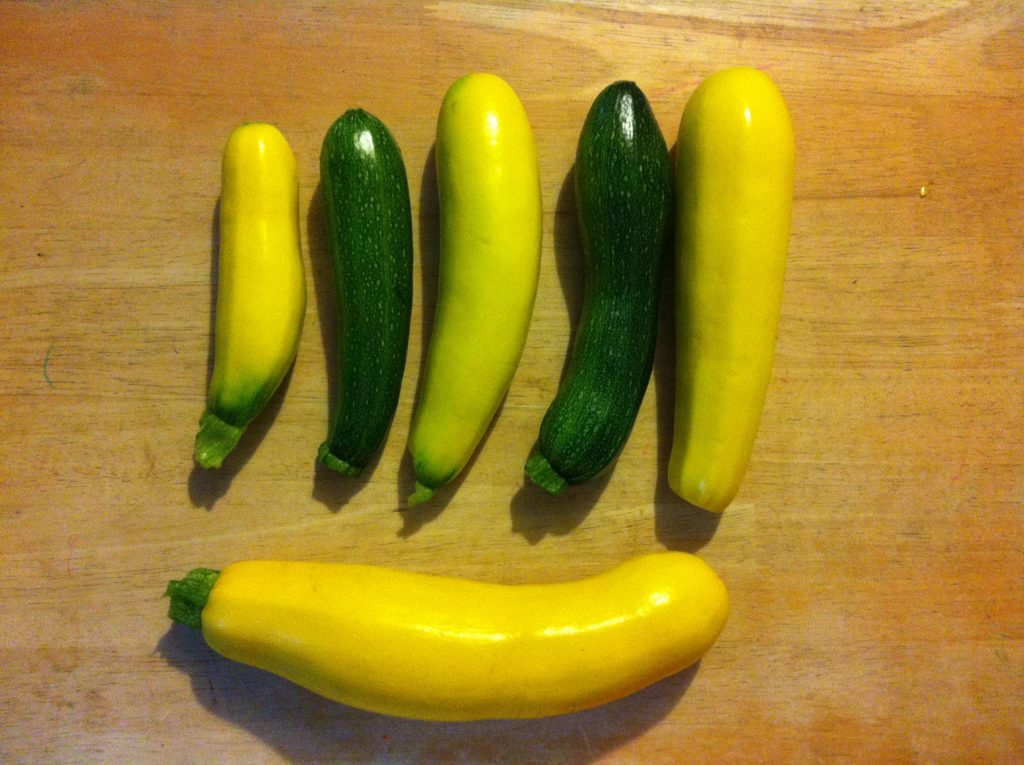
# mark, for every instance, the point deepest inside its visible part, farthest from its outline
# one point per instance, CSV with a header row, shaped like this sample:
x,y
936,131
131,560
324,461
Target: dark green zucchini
x,y
624,205
369,231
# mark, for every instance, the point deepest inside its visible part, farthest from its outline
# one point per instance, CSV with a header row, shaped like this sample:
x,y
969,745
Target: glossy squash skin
x,y
734,191
490,209
441,648
623,182
261,289
369,231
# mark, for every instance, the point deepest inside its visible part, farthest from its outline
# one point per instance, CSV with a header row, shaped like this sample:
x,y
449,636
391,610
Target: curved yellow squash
x,y
261,291
734,180
490,207
440,648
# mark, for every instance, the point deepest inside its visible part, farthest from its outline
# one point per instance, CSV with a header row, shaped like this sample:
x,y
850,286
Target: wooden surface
x,y
874,556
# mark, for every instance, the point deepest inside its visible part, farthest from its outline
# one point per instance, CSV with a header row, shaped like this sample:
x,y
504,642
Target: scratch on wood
x,y
46,365
71,554
586,739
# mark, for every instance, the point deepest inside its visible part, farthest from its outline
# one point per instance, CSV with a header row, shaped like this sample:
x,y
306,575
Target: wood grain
x,y
874,555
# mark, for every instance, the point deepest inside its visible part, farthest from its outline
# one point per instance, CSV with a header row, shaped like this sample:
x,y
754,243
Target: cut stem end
x,y
422,494
545,476
215,440
189,595
335,463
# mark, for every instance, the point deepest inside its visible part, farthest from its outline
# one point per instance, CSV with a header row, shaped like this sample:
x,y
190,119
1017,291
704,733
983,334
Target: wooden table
x,y
874,555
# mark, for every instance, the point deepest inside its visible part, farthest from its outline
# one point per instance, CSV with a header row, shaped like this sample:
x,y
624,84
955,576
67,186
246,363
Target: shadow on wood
x,y
677,524
206,486
330,488
302,726
429,245
429,252
535,513
415,518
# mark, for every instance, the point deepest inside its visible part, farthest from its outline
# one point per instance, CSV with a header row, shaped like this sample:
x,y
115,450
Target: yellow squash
x,y
261,290
439,648
734,192
490,204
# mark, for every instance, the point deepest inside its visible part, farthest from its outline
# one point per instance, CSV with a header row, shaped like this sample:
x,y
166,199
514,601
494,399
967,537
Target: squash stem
x,y
215,440
542,474
337,464
189,595
422,494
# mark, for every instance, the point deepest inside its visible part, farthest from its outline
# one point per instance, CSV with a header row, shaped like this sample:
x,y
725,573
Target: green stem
x,y
215,440
335,463
420,495
545,476
189,595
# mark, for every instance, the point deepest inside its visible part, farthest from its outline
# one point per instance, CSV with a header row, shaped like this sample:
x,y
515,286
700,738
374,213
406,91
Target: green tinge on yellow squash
x,y
490,209
261,290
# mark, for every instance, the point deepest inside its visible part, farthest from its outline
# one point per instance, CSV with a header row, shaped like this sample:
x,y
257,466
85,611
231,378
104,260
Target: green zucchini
x,y
369,231
624,205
